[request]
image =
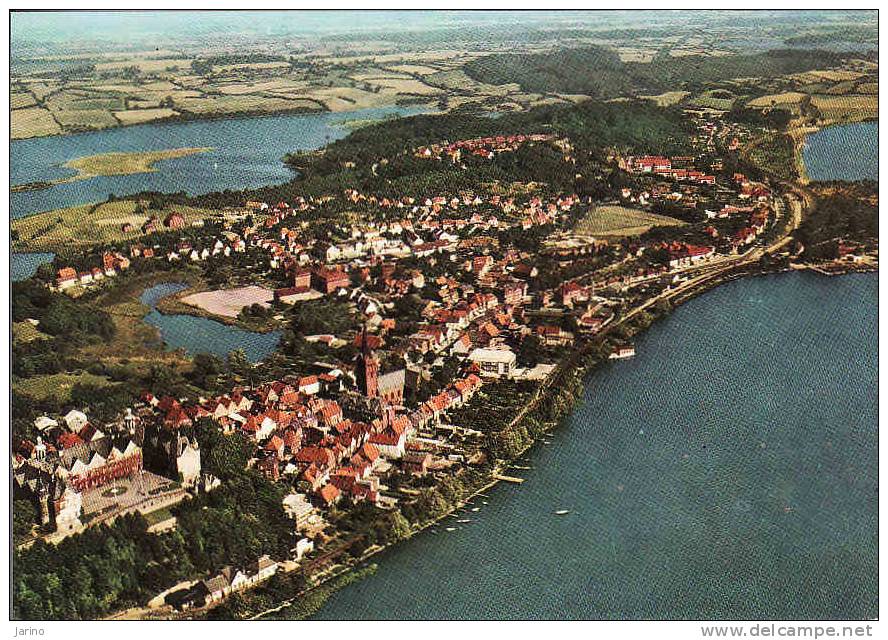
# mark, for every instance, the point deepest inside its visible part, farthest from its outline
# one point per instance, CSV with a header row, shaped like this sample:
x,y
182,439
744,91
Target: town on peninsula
x,y
226,403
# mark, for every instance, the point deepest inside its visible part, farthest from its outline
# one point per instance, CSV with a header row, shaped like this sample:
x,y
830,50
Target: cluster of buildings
x,y
485,148
112,264
227,581
78,473
663,166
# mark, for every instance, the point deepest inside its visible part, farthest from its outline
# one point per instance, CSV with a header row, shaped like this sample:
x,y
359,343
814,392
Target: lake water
x,y
24,265
247,153
844,152
202,335
727,471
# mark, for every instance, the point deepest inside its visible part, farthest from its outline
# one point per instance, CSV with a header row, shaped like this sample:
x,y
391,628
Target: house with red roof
x,y
174,221
329,495
389,443
66,277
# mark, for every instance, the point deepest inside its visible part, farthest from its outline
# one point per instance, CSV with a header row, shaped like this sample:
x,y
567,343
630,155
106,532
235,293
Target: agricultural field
x,y
846,108
614,221
136,88
125,88
669,98
32,122
140,116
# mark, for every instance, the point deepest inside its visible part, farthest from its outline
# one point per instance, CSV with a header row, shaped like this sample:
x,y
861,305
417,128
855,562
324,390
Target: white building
x,y
44,422
75,420
303,546
494,363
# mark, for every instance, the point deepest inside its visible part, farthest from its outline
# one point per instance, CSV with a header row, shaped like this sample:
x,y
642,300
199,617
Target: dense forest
x,y
599,72
844,211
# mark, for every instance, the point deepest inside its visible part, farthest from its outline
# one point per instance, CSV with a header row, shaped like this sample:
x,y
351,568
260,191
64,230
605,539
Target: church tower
x,y
366,369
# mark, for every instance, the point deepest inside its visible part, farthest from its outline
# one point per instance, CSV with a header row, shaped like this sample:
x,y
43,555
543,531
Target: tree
x,y
201,67
24,517
207,369
239,364
530,351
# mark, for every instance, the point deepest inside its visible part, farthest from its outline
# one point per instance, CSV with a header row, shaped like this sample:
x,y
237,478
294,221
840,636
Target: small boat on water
x,y
477,508
451,528
463,521
562,512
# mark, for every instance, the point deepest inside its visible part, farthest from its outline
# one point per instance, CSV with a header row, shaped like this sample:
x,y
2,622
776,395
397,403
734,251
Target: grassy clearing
x,y
26,332
160,515
716,99
135,342
669,98
88,224
616,221
57,385
778,99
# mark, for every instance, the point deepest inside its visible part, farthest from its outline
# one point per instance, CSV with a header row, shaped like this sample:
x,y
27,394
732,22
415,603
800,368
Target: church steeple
x,y
367,368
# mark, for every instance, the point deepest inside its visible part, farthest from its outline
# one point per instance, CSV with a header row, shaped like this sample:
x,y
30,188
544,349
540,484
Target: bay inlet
x,y
843,152
202,335
246,153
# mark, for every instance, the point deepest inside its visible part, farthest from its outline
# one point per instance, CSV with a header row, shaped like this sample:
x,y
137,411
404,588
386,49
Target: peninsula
x,y
226,405
112,164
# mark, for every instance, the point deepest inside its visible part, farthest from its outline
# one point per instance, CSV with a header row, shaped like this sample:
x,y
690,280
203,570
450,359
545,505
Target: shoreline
x,y
583,368
189,117
143,162
173,304
799,135
182,118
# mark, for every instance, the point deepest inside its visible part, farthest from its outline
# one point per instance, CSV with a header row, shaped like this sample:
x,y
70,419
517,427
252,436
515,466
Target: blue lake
x,y
24,265
843,152
729,471
247,153
202,335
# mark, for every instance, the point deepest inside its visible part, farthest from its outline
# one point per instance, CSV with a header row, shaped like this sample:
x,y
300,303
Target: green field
x,y
26,332
89,224
57,385
616,221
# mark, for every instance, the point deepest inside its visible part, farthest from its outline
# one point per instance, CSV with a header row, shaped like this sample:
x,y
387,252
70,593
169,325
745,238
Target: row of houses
x,y
112,264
